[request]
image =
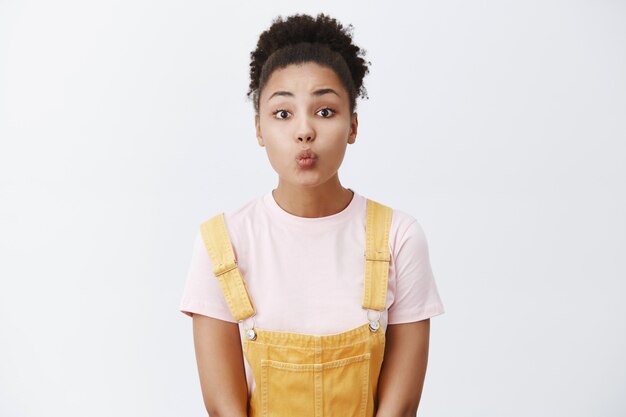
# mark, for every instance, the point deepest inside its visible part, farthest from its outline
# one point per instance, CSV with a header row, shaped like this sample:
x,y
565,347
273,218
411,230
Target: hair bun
x,y
302,38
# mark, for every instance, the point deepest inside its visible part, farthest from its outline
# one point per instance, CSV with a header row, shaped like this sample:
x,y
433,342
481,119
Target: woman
x,y
312,299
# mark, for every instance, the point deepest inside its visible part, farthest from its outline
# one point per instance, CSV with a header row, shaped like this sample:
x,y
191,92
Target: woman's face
x,y
305,107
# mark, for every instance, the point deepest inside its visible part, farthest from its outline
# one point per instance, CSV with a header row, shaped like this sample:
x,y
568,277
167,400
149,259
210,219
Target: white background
x,y
499,125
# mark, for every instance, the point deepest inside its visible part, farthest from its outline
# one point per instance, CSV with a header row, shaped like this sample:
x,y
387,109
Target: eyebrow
x,y
315,93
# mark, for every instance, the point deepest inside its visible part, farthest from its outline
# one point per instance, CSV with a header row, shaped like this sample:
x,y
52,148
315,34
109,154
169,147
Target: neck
x,y
321,201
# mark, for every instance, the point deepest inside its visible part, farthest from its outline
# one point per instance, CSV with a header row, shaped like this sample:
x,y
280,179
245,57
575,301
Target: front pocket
x,y
337,388
346,386
287,389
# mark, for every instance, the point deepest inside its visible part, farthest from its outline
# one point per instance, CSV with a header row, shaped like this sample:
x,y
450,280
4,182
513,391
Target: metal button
x,y
374,325
251,334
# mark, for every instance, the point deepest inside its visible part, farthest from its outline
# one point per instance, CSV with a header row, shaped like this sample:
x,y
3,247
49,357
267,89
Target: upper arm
x,y
202,293
404,368
219,357
416,293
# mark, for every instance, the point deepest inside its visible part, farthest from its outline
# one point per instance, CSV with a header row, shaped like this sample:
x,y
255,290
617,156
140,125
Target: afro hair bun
x,y
302,38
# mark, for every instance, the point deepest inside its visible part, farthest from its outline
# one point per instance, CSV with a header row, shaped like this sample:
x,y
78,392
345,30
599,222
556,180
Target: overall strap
x,y
377,255
218,244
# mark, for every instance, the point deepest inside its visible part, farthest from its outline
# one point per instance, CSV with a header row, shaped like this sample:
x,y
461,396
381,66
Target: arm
x,y
404,369
220,366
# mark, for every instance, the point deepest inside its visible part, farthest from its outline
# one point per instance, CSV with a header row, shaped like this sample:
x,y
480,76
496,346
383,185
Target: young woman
x,y
310,300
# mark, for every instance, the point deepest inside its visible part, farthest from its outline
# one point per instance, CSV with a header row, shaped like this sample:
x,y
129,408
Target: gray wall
x,y
498,125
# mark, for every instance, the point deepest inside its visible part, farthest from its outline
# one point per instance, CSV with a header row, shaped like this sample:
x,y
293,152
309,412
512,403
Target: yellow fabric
x,y
314,376
377,255
218,244
306,375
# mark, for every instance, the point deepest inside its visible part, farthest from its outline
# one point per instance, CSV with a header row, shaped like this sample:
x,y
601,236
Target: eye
x,y
280,111
281,114
328,109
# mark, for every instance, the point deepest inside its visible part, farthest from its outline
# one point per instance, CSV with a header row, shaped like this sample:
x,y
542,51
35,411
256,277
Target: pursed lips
x,y
306,154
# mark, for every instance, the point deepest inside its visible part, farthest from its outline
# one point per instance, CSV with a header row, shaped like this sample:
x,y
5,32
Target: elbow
x,y
397,408
404,412
411,413
409,410
213,411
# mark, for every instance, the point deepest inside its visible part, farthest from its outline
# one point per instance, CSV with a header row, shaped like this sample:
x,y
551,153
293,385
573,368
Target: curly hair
x,y
301,38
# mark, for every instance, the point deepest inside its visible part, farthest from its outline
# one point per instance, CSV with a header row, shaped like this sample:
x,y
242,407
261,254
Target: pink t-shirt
x,y
306,275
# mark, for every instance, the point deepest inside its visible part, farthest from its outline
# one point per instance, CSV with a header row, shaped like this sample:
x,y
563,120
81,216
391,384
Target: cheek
x,y
333,154
338,129
279,155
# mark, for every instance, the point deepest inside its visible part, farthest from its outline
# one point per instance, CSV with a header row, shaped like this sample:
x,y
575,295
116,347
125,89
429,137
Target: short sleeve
x,y
416,297
202,293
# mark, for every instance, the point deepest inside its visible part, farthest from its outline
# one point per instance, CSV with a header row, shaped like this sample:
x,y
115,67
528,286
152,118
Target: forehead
x,y
303,78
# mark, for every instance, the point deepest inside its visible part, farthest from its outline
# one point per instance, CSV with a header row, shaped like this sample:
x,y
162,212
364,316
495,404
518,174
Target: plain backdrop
x,y
499,125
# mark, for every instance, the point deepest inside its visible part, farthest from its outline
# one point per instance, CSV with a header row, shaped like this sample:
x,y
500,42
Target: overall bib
x,y
307,375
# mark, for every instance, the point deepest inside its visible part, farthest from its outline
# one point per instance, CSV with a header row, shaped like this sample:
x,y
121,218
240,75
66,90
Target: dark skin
x,y
220,366
404,369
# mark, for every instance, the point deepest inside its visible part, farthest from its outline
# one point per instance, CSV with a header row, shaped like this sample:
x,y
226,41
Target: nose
x,y
305,132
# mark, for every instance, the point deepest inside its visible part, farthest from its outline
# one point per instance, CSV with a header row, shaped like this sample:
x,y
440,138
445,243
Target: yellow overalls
x,y
302,375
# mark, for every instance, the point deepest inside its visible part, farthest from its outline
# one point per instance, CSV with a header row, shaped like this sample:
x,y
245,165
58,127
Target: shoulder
x,y
240,222
402,223
243,213
405,230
